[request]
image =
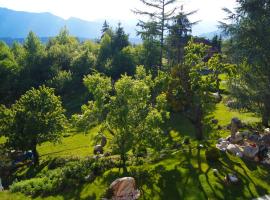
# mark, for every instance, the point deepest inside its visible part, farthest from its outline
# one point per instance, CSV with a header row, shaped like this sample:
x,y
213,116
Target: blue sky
x,y
209,11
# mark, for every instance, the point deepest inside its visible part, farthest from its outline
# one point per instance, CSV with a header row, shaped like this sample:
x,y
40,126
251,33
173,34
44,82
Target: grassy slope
x,y
79,144
184,175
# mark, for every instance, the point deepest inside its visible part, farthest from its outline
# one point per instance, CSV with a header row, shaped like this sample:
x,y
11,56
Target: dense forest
x,y
146,108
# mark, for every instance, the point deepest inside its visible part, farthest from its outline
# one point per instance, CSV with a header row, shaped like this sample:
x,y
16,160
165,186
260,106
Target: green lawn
x,y
225,114
183,175
77,145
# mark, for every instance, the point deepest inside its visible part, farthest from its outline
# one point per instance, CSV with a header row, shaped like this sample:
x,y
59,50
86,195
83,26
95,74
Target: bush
x,y
212,154
63,173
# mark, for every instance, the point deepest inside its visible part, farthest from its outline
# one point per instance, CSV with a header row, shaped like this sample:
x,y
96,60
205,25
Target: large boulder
x,y
251,151
103,141
255,137
124,189
237,138
235,150
98,149
267,131
235,125
265,140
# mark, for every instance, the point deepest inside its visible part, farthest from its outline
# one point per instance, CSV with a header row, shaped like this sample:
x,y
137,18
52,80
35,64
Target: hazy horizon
x,y
209,11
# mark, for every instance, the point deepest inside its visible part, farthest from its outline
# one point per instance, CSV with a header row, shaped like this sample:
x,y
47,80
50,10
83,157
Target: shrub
x,y
63,173
212,154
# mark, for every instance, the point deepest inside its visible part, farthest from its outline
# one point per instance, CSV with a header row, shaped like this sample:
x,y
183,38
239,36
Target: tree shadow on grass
x,y
246,182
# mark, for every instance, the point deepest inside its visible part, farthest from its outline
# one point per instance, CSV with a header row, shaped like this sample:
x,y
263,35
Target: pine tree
x,y
105,28
179,34
159,17
249,33
119,39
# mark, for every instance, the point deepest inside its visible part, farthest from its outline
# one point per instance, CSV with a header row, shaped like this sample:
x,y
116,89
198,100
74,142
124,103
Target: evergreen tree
x,y
179,34
105,28
159,17
119,39
249,33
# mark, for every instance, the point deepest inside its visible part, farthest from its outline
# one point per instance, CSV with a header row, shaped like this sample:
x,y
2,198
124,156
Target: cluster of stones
x,y
251,145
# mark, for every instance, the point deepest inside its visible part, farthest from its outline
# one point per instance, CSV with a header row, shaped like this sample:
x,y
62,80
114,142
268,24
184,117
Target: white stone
x,y
1,186
233,178
267,131
234,149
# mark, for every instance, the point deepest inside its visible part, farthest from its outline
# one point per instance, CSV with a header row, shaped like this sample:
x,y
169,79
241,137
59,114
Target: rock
x,y
222,144
107,154
217,96
215,171
214,121
254,138
231,104
124,189
1,186
90,177
250,151
98,149
234,149
267,131
235,125
237,138
232,178
265,140
266,161
245,134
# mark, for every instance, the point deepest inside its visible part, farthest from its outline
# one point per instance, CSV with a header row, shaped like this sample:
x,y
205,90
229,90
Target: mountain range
x,y
15,25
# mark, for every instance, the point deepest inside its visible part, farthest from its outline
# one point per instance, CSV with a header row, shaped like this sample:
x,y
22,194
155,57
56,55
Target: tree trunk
x,y
265,115
198,122
35,155
162,33
123,158
199,130
265,119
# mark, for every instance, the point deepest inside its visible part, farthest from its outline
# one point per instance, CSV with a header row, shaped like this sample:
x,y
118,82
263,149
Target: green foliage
x,y
36,117
159,15
61,81
126,110
67,176
179,35
212,154
189,89
249,47
9,71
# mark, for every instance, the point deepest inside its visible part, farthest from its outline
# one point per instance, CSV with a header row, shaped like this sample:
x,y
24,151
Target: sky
x,y
209,11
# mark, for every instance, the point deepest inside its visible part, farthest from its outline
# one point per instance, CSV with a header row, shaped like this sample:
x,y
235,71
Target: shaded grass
x,y
183,175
